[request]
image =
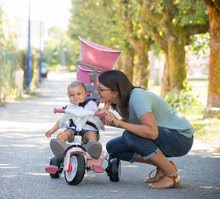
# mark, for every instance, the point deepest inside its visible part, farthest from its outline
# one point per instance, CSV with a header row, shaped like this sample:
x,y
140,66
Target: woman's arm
x,y
147,127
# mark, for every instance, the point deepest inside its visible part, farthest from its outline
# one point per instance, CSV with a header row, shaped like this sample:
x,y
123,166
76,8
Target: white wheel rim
x,y
74,163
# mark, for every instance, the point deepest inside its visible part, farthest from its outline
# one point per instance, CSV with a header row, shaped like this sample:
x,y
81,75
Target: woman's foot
x,y
166,182
158,176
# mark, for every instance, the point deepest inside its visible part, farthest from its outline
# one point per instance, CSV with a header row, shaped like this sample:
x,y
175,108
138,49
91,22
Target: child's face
x,y
77,94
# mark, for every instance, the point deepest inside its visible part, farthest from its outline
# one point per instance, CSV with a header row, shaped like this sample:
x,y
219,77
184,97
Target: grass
x,y
207,131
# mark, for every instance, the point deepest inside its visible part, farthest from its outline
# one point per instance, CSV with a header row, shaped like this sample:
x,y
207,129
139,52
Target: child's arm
x,y
52,130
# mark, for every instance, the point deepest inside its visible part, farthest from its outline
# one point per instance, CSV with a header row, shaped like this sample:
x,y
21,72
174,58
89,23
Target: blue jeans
x,y
169,142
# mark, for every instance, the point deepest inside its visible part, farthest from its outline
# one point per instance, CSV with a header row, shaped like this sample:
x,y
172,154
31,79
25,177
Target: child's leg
x,y
93,147
90,136
59,145
66,135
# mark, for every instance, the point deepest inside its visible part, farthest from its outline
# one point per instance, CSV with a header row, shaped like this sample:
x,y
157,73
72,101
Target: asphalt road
x,y
24,152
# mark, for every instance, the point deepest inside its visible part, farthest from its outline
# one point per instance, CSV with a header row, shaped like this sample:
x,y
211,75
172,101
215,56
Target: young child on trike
x,y
87,127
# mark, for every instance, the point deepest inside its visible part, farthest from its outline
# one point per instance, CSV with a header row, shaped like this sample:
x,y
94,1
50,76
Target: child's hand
x,y
48,133
100,113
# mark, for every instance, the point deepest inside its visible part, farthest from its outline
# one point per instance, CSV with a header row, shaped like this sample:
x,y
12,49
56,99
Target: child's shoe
x,y
58,147
94,149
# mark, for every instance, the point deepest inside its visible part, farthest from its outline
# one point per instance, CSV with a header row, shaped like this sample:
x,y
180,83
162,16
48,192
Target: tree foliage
x,y
132,25
171,23
58,42
95,20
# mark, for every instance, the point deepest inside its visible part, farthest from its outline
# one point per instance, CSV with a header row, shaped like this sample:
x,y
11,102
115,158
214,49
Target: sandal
x,y
158,175
176,182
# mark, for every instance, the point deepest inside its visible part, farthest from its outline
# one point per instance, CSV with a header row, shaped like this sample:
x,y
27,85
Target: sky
x,y
53,12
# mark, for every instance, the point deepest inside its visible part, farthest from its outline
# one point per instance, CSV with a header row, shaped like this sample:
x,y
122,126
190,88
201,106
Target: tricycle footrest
x,y
97,169
51,169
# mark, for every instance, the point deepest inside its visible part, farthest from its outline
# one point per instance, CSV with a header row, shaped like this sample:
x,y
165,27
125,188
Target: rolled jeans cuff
x,y
144,157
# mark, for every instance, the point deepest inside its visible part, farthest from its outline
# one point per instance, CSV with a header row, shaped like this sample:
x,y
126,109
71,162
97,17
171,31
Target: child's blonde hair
x,y
76,83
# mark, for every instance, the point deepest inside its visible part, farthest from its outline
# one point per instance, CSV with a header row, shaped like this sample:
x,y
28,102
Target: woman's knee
x,y
115,145
110,146
129,138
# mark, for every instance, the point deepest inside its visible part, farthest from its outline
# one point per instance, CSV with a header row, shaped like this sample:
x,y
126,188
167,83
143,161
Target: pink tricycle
x,y
94,58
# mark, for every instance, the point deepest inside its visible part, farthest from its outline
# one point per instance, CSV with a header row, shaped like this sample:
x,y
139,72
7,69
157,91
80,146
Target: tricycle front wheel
x,y
76,169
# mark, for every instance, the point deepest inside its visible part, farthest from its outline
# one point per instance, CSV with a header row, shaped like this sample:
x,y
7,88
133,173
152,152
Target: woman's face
x,y
105,94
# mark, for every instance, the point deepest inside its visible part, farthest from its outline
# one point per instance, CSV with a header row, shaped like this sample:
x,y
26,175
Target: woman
x,y
153,129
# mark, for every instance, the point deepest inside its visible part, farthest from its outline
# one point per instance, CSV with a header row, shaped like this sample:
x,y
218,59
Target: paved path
x,y
24,152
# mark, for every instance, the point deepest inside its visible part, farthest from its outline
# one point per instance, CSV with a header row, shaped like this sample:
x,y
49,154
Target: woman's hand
x,y
110,119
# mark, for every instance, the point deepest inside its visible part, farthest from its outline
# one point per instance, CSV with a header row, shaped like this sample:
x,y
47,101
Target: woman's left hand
x,y
111,119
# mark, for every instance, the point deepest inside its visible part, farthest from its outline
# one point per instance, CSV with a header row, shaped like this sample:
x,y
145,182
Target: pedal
x,y
51,169
97,168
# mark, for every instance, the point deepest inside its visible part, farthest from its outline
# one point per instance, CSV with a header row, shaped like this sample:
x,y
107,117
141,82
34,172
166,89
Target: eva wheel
x,y
76,170
114,170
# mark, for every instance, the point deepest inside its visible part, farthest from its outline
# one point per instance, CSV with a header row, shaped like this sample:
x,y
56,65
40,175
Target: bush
x,y
185,102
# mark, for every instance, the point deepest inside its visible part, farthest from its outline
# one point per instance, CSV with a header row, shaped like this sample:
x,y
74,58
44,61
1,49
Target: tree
x,y
214,62
97,21
119,22
56,43
138,38
171,23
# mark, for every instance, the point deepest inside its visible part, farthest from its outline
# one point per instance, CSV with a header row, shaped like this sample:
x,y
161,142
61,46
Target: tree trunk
x,y
177,67
137,39
142,72
214,62
126,64
174,76
165,78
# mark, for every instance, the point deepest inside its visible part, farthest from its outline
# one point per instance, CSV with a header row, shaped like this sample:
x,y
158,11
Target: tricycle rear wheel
x,y
114,169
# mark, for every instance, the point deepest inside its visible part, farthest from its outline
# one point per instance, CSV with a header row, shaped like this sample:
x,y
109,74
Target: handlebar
x,y
99,113
58,110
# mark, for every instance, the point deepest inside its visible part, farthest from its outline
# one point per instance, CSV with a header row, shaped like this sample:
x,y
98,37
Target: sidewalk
x,y
24,152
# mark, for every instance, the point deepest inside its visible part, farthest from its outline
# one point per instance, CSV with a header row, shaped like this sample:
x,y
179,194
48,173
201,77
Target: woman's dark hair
x,y
118,81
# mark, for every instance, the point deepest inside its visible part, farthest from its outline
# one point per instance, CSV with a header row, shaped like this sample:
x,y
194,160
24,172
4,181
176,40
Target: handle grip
x,y
58,110
99,113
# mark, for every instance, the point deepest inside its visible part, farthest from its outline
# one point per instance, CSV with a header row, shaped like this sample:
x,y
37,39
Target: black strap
x,y
91,124
64,107
86,102
88,123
